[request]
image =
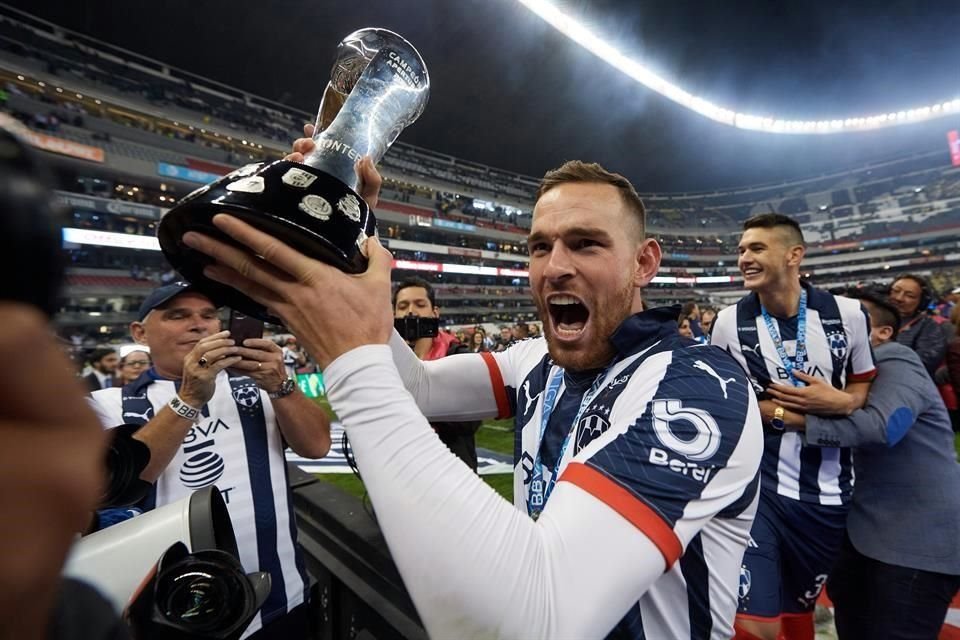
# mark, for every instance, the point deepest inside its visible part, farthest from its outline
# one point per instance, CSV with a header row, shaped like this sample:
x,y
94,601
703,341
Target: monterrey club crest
x,y
590,428
837,341
247,396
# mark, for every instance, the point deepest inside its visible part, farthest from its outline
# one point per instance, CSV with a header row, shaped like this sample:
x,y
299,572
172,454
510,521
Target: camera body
x,y
411,327
117,559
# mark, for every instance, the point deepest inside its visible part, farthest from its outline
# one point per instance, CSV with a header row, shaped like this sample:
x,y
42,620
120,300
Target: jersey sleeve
x,y
861,366
684,445
461,387
107,404
723,333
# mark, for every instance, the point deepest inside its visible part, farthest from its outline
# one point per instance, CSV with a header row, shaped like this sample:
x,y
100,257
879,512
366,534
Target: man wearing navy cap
x,y
216,412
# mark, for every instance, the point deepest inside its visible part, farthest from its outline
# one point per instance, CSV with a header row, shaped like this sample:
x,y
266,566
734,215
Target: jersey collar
x,y
641,330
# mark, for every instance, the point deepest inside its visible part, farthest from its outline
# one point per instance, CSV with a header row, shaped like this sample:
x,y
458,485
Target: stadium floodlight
x,y
585,37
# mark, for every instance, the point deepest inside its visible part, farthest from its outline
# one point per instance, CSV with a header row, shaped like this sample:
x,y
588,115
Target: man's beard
x,y
603,321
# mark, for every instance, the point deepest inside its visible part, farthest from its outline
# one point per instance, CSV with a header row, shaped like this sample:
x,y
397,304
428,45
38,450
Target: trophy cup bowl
x,y
378,87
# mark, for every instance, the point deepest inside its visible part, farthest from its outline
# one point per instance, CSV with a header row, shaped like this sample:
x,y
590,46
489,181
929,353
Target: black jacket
x,y
925,336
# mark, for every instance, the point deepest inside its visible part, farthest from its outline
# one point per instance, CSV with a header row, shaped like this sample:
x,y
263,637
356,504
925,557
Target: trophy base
x,y
305,208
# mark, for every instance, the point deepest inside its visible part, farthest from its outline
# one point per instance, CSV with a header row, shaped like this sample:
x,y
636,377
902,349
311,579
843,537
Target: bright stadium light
x,y
582,35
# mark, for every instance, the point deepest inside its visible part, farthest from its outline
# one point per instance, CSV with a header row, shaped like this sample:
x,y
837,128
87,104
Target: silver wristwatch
x,y
287,387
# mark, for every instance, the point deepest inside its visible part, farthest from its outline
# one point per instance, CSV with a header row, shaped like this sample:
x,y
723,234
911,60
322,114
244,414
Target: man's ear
x,y
886,333
138,332
648,259
795,255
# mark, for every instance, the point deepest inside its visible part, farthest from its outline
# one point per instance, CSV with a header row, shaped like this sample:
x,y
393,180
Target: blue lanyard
x,y
800,357
539,491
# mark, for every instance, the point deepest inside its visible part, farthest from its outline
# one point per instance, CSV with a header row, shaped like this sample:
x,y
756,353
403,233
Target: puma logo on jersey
x,y
755,349
145,416
703,366
530,401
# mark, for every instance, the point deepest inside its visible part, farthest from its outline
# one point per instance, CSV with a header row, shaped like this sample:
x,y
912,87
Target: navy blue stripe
x,y
846,474
832,323
291,515
693,566
254,426
630,626
810,460
135,408
747,311
741,504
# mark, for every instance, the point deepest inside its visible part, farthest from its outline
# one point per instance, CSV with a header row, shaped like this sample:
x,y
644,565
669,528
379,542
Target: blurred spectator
x,y
133,362
691,312
683,327
293,357
103,363
478,340
505,339
521,331
911,295
707,315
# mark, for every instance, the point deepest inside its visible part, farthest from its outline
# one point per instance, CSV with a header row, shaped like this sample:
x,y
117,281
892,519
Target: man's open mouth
x,y
569,315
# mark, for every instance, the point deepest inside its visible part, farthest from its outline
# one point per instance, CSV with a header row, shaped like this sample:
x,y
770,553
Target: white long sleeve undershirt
x,y
475,566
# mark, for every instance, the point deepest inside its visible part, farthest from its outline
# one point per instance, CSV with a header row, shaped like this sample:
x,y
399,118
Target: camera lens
x,y
201,597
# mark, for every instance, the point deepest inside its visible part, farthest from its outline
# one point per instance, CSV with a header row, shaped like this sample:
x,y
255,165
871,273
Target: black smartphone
x,y
242,326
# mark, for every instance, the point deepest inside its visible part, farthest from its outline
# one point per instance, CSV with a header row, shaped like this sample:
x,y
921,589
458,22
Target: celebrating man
x,y
786,333
635,483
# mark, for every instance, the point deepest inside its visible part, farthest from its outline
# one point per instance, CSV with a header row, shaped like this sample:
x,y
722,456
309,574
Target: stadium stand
x,y
129,135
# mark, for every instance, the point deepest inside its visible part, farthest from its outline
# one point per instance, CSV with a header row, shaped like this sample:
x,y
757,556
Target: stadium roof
x,y
512,92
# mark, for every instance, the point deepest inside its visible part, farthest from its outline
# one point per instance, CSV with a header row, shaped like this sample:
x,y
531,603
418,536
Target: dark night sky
x,y
510,92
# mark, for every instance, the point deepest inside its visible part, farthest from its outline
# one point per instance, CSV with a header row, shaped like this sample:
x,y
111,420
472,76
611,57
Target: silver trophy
x,y
379,86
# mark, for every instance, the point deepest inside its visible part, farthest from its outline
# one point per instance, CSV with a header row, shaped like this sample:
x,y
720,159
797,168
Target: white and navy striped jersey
x,y
838,350
671,442
241,453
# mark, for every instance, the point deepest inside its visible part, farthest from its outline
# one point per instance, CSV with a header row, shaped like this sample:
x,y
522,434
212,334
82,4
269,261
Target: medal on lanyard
x,y
540,490
800,356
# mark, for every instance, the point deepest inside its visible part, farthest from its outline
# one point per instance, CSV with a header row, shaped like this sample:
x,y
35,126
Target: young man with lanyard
x,y
785,333
637,453
215,412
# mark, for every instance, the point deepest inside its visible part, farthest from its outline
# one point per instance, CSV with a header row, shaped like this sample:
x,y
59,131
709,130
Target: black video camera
x,y
413,327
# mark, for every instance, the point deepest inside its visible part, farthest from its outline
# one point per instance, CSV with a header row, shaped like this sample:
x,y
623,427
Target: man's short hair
x,y
687,308
574,171
414,281
777,221
886,314
101,353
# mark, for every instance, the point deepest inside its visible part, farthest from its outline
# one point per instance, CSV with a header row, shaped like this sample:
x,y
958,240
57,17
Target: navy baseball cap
x,y
161,295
